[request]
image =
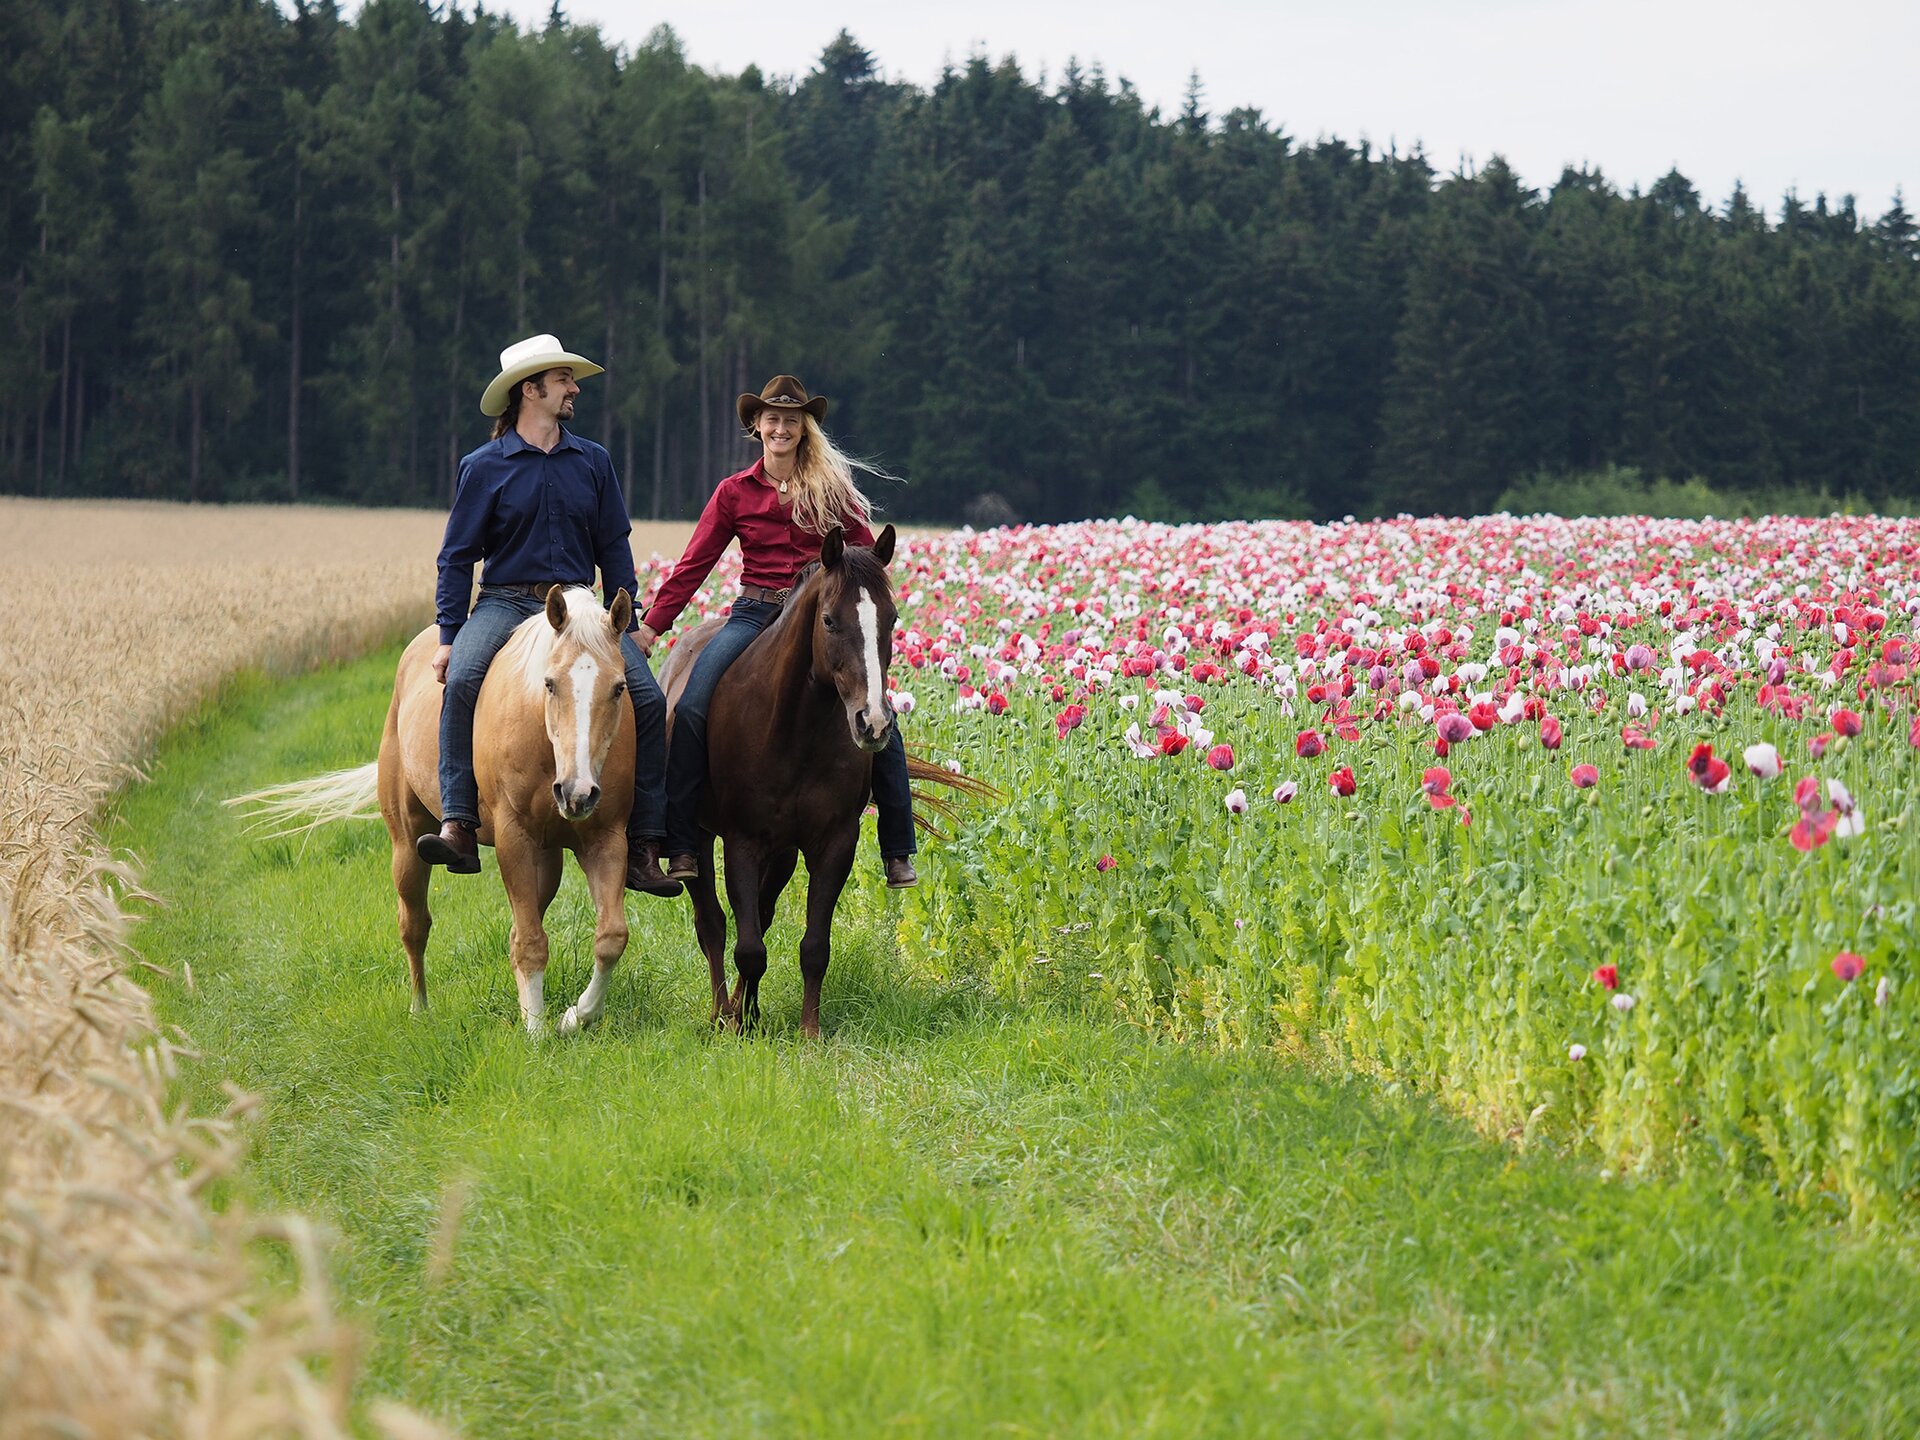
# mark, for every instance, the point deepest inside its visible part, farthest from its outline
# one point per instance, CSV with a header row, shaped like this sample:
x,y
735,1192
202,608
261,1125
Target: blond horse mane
x,y
530,648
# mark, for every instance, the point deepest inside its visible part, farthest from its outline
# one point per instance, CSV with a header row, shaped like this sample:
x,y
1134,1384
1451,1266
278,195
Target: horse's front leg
x,y
749,939
531,874
605,864
827,872
710,929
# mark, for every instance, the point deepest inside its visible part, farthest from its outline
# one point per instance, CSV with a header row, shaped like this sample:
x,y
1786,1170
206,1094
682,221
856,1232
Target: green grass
x,y
952,1217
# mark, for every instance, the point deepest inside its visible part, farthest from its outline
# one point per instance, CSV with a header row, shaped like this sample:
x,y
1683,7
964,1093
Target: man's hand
x,y
440,658
646,638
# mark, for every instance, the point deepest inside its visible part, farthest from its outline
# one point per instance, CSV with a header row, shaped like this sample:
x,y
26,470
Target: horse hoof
x,y
571,1022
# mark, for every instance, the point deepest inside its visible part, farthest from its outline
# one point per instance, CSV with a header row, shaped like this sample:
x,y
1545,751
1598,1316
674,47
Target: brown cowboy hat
x,y
782,392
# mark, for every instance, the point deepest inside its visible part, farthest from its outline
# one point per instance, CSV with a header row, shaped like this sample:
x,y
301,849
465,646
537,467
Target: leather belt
x,y
536,588
764,595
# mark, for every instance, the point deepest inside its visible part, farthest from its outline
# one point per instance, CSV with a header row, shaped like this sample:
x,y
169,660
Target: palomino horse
x,y
791,735
553,755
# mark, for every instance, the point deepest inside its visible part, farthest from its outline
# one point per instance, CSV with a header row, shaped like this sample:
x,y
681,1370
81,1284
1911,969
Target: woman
x,y
779,509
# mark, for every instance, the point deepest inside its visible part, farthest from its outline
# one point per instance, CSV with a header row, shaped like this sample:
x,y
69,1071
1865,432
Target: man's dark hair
x,y
510,416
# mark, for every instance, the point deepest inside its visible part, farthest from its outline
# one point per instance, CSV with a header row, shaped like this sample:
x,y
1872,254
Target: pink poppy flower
x,y
1105,863
1634,738
1454,727
1284,792
1308,744
1341,781
1817,744
1913,734
1584,777
1845,722
1763,760
1237,801
1220,757
1848,966
1068,719
1640,657
996,703
1549,733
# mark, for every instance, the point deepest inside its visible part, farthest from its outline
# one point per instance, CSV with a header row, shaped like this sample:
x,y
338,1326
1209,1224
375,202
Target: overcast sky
x,y
1804,96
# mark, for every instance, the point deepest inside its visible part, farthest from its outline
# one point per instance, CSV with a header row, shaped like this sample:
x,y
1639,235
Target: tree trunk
x,y
626,472
453,371
659,452
700,283
293,346
393,307
66,380
660,385
193,440
79,411
519,246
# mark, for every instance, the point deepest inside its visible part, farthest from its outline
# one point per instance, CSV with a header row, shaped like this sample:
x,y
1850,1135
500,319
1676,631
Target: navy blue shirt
x,y
534,516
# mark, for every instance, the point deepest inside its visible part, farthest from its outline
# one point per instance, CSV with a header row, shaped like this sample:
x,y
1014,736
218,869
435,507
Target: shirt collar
x,y
513,442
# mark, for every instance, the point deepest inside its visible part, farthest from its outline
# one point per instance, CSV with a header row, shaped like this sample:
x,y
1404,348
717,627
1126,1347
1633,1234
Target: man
x,y
542,507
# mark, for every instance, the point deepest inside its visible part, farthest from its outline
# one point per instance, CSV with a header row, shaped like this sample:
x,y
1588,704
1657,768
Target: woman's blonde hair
x,y
824,492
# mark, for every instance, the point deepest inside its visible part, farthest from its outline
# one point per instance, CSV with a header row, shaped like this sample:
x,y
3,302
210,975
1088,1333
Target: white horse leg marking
x,y
870,647
587,1008
533,1004
584,671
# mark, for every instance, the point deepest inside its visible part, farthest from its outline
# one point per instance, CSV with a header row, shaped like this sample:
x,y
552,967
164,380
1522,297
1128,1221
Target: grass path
x,y
947,1219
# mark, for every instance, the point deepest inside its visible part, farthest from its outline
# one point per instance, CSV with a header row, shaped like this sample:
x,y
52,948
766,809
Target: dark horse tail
x,y
925,800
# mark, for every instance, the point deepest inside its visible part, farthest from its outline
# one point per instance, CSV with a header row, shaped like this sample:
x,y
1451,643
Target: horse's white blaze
x,y
870,645
584,672
533,1002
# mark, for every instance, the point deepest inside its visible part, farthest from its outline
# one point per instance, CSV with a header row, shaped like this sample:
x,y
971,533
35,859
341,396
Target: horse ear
x,y
557,608
621,612
833,547
883,547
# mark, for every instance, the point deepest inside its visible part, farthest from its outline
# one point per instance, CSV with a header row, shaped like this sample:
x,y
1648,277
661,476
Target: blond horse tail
x,y
302,805
927,772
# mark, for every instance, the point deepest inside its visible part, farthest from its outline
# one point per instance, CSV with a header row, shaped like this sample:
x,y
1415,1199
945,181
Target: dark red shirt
x,y
746,508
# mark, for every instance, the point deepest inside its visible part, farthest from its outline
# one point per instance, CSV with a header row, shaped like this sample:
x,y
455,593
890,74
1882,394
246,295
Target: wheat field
x,y
128,1306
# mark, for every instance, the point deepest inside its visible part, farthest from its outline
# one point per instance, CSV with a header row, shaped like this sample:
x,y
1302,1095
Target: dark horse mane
x,y
857,566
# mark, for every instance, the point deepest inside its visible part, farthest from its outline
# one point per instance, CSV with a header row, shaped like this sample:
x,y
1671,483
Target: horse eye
x,y
619,688
829,622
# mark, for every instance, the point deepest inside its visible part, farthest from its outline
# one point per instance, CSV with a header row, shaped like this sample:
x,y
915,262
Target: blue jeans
x,y
687,756
496,615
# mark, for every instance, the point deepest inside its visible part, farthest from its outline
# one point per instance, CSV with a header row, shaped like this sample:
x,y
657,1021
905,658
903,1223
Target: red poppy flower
x,y
1709,773
1436,783
1848,966
1220,757
1308,744
1172,742
1608,976
996,703
1341,781
1634,738
1484,716
1584,777
1845,722
1105,863
1549,732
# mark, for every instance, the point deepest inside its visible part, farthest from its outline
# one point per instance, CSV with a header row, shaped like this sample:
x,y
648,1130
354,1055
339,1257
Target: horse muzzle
x,y
870,735
576,799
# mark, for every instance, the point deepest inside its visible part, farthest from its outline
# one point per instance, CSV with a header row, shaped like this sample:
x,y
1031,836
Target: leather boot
x,y
643,870
683,867
900,872
454,847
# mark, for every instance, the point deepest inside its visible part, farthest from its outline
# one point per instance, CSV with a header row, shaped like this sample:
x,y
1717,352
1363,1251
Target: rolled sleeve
x,y
615,547
710,539
462,548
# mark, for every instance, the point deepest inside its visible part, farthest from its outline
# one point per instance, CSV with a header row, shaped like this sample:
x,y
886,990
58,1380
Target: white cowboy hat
x,y
524,359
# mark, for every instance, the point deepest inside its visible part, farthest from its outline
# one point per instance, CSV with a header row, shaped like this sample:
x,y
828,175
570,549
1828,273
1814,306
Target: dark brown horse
x,y
791,735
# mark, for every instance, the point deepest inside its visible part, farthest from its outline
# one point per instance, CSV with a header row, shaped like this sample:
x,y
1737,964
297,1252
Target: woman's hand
x,y
440,658
646,637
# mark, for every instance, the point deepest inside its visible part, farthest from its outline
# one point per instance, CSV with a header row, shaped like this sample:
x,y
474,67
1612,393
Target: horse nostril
x,y
559,795
591,799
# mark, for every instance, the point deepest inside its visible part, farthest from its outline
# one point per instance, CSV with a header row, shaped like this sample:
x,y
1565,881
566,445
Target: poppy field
x,y
1600,830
